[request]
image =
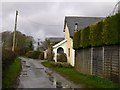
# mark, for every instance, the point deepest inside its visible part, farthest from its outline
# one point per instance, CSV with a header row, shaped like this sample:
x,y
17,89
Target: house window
x,y
76,27
69,52
60,50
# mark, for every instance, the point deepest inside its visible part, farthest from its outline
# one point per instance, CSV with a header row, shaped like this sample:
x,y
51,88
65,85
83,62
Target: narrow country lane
x,y
35,75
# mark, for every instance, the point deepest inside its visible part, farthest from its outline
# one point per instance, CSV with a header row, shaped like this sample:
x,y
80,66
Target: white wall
x,y
63,45
69,44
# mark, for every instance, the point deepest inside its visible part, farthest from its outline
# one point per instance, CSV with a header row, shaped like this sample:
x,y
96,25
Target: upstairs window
x,y
69,52
76,27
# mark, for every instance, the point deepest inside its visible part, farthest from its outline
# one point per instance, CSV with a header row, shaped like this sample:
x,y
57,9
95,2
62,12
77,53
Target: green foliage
x,y
62,57
10,75
96,34
7,39
23,43
105,32
76,40
8,58
36,54
110,30
85,41
41,56
33,54
118,26
57,64
29,54
61,64
50,53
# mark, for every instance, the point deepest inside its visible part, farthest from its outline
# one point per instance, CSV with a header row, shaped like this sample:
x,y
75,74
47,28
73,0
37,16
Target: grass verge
x,y
87,81
11,74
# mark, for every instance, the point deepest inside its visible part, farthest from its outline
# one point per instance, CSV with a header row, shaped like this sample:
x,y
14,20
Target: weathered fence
x,y
111,63
83,61
97,60
100,61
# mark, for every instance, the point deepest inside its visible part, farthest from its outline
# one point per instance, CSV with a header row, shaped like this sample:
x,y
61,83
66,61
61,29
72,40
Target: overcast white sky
x,y
46,19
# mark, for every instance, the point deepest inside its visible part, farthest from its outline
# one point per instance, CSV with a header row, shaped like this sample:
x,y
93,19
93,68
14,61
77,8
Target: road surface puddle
x,y
56,82
39,68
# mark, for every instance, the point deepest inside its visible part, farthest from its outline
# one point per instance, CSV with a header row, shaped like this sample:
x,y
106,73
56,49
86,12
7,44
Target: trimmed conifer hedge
x,y
96,34
85,41
105,32
118,27
77,40
110,30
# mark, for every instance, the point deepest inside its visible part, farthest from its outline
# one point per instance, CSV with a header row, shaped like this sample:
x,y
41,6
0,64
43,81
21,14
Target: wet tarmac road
x,y
35,75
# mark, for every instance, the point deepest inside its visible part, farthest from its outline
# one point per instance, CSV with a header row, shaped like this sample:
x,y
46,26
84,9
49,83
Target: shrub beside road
x,y
11,74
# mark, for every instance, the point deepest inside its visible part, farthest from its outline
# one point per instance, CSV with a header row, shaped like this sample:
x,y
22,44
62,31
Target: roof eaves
x,y
64,24
58,44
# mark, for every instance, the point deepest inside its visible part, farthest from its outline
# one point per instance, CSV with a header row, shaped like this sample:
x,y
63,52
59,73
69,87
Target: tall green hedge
x,y
85,41
118,22
77,40
105,32
110,30
96,34
33,54
8,58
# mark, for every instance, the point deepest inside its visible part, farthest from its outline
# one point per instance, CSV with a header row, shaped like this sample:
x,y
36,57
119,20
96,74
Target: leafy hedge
x,y
96,34
41,56
33,54
85,41
110,30
118,15
76,40
52,64
105,32
61,57
8,58
9,78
